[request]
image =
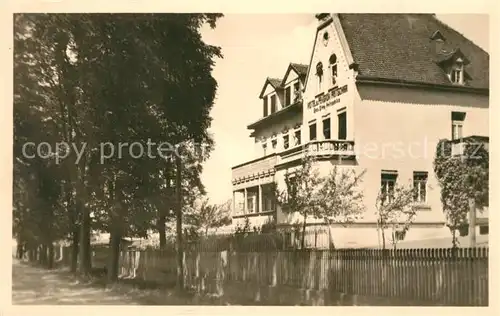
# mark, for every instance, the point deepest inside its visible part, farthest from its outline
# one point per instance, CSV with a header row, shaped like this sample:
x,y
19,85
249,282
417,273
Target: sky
x,y
256,46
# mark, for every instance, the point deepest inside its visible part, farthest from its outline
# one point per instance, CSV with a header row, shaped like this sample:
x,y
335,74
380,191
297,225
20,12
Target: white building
x,y
380,91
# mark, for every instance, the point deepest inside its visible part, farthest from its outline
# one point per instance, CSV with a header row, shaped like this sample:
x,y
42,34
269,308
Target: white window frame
x,y
419,185
384,184
297,141
286,144
457,74
274,143
457,129
315,130
326,117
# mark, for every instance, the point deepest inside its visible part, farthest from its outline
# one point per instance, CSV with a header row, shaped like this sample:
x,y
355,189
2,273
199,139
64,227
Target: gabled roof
x,y
300,69
274,82
399,47
452,56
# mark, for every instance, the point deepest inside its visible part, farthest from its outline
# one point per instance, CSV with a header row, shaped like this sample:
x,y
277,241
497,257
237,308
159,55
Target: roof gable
x,y
274,82
299,69
400,47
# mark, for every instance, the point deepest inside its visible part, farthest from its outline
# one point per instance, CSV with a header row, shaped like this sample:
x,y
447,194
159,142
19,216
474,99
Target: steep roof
x,y
275,82
301,69
399,47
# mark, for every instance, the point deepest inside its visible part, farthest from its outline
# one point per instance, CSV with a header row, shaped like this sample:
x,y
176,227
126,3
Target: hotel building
x,y
378,94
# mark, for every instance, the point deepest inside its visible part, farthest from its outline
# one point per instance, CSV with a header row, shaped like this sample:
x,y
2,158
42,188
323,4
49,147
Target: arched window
x,y
333,68
319,74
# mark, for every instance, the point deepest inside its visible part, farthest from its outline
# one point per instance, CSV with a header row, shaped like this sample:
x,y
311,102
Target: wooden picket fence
x,y
419,276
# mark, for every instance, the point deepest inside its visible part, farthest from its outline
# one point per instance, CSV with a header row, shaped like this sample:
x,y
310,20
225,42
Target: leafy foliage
x,y
395,210
332,198
94,79
461,178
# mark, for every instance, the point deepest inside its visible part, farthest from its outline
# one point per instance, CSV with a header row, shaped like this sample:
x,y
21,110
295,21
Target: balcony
x,y
322,149
291,110
261,168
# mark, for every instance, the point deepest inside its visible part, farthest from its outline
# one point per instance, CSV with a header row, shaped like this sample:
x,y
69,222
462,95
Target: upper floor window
x,y
286,141
288,96
333,69
342,126
457,73
387,185
274,143
326,128
457,122
312,131
420,186
273,103
297,135
319,74
296,91
264,148
265,107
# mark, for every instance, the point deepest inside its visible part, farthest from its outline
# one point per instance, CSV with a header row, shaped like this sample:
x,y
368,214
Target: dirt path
x,y
37,286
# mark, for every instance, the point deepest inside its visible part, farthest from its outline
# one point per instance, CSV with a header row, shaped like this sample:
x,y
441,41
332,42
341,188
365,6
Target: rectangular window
x,y
274,143
288,96
296,91
388,182
399,235
484,230
250,204
457,121
312,131
326,128
420,186
342,118
297,137
273,104
286,141
264,148
265,107
334,74
320,83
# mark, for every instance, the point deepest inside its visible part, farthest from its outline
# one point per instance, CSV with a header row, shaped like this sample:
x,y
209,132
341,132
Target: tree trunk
x,y
383,237
19,251
84,241
161,230
114,261
43,255
178,205
303,241
74,250
50,259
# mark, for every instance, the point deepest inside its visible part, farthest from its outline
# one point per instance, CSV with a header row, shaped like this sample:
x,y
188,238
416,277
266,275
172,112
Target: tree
x,y
206,215
301,193
341,199
461,178
112,78
335,197
395,210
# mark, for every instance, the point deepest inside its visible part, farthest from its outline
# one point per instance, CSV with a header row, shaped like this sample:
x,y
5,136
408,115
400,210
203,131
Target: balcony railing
x,y
331,148
254,168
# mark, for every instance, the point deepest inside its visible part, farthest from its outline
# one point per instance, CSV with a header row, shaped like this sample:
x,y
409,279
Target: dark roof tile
x,y
399,47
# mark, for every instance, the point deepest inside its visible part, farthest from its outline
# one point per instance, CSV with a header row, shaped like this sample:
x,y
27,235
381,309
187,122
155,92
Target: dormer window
x,y
319,74
296,91
453,64
457,72
333,68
